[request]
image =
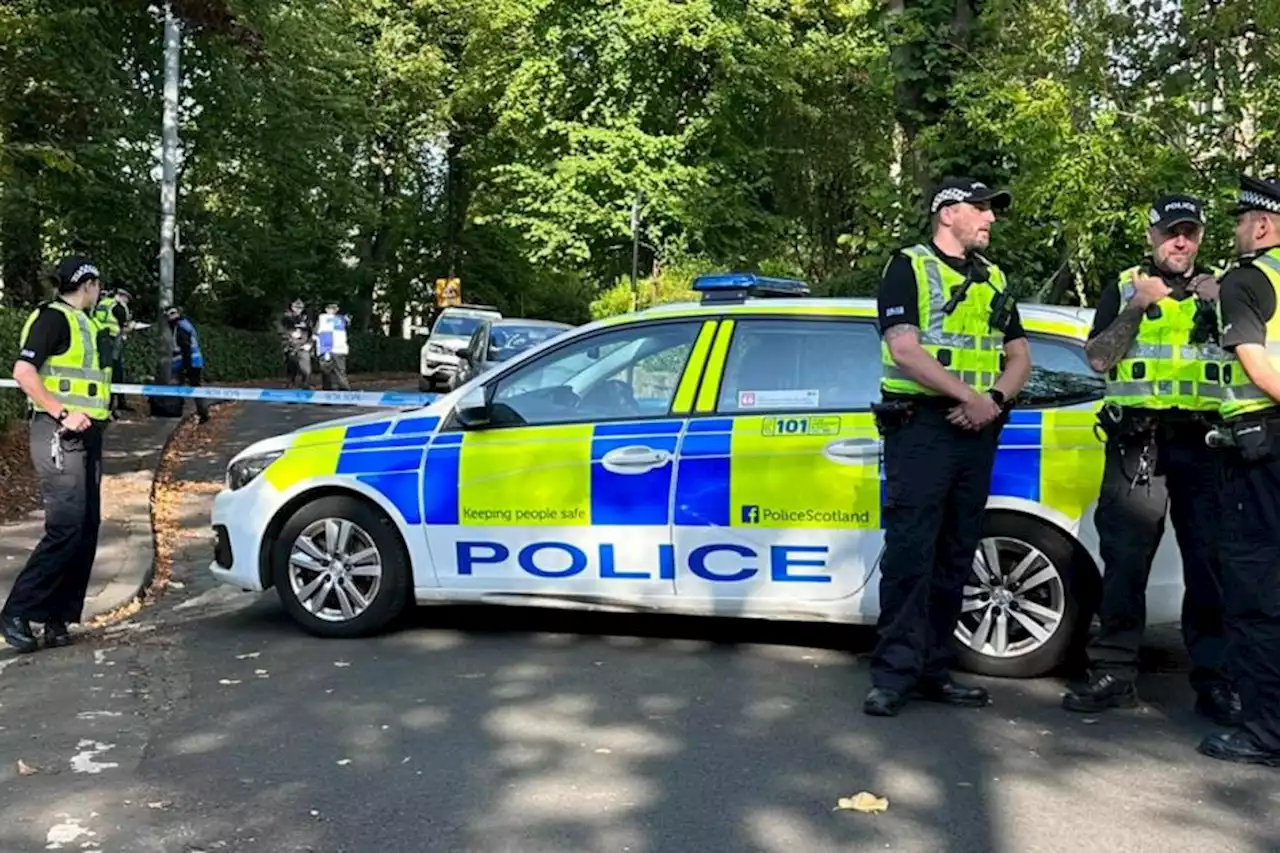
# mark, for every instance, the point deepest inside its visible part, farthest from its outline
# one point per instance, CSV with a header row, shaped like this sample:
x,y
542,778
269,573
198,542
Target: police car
x,y
713,458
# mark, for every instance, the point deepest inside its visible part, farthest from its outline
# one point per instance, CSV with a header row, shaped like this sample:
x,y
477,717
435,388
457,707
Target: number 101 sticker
x,y
801,426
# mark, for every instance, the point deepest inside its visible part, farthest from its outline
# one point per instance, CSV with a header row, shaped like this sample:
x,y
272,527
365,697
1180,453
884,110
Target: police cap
x,y
1170,210
73,271
1257,194
967,190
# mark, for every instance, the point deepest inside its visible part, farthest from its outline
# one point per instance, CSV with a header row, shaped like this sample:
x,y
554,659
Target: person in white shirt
x,y
332,347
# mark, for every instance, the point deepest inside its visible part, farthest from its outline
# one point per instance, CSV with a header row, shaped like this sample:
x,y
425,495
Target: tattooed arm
x,y
1113,342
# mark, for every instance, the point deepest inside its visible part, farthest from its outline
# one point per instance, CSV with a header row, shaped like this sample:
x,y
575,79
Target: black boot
x,y
1241,747
17,633
1103,692
882,702
1221,704
56,635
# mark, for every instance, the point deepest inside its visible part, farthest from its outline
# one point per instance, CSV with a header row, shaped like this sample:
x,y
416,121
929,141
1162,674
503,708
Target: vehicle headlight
x,y
437,348
243,471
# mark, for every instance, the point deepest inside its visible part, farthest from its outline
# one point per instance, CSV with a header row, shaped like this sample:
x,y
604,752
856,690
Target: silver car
x,y
497,340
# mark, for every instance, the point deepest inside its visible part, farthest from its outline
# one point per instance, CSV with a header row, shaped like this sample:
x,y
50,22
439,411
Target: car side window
x,y
626,373
789,364
1058,355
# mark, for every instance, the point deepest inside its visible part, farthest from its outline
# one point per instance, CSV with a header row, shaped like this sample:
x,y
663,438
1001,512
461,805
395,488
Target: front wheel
x,y
1027,601
340,568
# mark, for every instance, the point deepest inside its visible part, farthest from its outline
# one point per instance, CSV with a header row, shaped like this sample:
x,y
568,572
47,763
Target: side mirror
x,y
473,409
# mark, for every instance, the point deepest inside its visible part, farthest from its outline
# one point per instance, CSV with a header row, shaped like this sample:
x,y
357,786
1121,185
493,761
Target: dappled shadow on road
x,y
477,728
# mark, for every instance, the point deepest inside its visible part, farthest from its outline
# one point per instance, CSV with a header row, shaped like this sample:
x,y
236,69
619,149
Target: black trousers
x,y
1250,501
333,371
52,585
1130,525
298,364
194,377
937,479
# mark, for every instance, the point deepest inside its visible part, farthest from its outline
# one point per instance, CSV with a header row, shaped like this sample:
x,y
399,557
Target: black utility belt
x,y
1253,436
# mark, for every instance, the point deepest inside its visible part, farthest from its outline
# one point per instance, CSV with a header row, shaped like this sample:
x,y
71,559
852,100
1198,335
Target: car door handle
x,y
852,451
634,459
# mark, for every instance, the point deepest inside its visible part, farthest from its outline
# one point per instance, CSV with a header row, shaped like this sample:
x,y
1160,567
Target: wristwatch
x,y
62,416
997,395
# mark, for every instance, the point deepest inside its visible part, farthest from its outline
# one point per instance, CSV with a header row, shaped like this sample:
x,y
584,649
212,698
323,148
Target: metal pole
x,y
168,185
635,245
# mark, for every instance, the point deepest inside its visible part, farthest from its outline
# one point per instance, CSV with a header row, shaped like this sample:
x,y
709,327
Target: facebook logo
x,y
751,514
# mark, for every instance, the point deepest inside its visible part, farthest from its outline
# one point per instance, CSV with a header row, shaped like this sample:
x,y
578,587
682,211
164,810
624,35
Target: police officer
x,y
188,357
1155,336
69,389
112,316
296,328
332,347
1250,482
945,317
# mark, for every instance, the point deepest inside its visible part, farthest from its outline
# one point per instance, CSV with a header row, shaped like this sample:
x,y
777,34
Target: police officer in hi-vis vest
x,y
1249,488
954,355
112,315
69,390
1155,337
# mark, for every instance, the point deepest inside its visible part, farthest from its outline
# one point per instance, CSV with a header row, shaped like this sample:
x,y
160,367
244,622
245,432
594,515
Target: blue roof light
x,y
721,287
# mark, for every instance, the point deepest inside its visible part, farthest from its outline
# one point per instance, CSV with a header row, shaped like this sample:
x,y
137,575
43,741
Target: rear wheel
x,y
340,568
1027,600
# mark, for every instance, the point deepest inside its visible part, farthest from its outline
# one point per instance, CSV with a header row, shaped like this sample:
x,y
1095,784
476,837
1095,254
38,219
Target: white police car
x,y
716,458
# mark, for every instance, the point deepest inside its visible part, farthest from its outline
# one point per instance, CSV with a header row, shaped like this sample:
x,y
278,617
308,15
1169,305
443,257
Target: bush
x,y
672,285
231,355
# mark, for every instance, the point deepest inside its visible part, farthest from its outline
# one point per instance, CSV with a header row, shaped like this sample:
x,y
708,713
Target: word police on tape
x,y
367,399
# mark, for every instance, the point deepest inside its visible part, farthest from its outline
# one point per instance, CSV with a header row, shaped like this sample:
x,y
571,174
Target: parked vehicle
x,y
716,458
438,360
497,341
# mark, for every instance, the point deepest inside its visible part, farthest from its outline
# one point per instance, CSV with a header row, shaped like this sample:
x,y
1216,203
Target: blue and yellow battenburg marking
x,y
738,471
386,455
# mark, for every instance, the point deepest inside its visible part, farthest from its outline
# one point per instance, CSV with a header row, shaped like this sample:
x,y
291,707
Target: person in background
x,y
62,373
112,316
188,358
296,328
332,347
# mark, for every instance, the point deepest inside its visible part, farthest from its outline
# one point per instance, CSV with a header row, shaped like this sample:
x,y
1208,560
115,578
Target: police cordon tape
x,y
366,399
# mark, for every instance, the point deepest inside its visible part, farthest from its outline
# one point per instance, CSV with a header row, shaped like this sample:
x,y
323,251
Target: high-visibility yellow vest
x,y
1162,368
961,341
1241,396
75,377
104,316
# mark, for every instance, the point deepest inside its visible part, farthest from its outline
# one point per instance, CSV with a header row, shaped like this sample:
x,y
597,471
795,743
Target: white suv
x,y
438,361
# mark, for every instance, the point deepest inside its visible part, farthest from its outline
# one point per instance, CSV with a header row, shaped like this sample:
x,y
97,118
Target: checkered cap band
x,y
84,271
1153,216
949,194
1256,199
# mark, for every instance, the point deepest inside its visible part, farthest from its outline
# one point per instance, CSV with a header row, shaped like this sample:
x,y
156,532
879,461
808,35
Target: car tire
x,y
1061,584
385,596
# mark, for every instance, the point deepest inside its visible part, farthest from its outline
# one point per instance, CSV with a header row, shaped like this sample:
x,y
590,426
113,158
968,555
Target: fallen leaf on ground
x,y
159,804
863,802
248,656
229,681
343,762
341,663
25,769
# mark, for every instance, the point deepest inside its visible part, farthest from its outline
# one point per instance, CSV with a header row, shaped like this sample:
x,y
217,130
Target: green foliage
x,y
231,355
359,149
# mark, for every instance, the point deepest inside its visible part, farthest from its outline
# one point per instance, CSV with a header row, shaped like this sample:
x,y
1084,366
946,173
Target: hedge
x,y
231,355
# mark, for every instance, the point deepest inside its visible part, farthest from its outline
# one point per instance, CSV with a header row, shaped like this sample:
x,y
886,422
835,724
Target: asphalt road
x,y
209,723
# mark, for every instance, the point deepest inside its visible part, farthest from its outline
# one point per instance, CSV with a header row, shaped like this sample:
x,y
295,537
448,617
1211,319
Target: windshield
x,y
1060,374
507,341
456,325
